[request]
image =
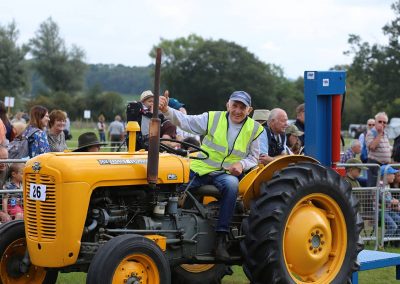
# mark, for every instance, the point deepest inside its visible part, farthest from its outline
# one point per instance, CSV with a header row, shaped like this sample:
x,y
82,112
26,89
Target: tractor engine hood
x,y
101,169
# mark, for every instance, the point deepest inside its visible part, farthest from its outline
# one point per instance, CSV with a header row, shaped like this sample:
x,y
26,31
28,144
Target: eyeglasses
x,y
371,124
382,121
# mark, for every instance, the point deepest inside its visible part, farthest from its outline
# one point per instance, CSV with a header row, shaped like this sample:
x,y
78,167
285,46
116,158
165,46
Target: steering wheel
x,y
182,152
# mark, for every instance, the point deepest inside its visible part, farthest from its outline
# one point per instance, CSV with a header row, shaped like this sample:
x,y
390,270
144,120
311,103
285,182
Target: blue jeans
x,y
102,135
228,186
392,223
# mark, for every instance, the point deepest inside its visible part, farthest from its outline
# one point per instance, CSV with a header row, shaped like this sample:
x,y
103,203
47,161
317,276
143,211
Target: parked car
x,y
356,129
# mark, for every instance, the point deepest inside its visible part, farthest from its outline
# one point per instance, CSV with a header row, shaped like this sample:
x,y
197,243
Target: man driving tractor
x,y
231,139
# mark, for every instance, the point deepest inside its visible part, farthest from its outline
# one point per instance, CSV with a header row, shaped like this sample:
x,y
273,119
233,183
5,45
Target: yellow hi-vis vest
x,y
216,143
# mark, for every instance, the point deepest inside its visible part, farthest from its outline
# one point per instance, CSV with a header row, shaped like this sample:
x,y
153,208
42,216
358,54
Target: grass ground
x,y
384,275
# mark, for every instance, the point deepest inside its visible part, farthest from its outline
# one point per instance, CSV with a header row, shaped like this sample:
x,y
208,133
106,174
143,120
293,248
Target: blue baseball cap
x,y
389,170
241,96
174,103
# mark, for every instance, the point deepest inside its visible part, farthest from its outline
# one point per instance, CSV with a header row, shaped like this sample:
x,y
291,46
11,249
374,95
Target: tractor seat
x,y
206,190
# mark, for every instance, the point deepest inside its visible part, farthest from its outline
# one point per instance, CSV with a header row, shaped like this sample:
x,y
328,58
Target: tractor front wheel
x,y
129,259
304,228
12,251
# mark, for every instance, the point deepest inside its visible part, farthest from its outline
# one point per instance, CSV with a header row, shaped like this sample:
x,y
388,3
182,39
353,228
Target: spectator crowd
x,y
238,139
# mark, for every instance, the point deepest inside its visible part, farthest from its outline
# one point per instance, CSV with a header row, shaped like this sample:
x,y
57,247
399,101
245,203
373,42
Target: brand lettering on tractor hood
x,y
122,161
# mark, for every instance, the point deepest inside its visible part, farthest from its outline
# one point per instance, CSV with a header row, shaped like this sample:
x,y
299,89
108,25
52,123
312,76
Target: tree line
x,y
199,72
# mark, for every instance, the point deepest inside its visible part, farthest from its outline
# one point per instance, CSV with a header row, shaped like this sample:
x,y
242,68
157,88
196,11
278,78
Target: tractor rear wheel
x,y
200,273
129,259
12,251
304,228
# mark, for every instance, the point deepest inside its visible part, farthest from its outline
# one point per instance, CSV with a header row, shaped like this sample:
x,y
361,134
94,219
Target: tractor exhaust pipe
x,y
154,129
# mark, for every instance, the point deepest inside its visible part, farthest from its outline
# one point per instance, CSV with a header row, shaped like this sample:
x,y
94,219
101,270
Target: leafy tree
x,y
12,72
376,67
203,73
61,69
112,104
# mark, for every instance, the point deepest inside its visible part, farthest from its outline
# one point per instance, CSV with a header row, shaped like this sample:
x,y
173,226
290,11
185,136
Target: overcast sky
x,y
298,35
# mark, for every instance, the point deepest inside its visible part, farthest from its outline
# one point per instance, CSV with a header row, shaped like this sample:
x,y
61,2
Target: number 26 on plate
x,y
37,192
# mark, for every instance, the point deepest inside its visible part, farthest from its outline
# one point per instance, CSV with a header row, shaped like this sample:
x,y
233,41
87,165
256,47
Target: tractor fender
x,y
249,186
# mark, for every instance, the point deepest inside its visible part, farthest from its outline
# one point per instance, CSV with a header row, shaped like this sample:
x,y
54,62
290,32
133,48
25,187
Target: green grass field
x,y
384,275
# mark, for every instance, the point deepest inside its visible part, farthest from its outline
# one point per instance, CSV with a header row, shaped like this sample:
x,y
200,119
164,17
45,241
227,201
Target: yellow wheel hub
x,y
136,268
15,252
315,239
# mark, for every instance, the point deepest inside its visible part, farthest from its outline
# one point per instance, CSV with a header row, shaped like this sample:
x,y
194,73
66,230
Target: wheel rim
x,y
315,239
135,269
197,268
15,252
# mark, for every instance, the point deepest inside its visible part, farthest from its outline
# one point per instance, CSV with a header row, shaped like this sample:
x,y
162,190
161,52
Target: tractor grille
x,y
40,216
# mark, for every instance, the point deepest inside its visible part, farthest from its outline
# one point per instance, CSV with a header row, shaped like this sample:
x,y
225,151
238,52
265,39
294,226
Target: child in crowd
x,y
12,203
391,212
353,173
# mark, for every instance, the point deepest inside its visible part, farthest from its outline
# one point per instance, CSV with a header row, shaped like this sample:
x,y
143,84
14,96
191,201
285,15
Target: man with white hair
x,y
276,126
379,151
355,148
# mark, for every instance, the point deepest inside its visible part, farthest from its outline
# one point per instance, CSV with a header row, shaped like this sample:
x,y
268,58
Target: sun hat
x,y
145,95
355,161
293,130
388,169
261,114
87,139
174,103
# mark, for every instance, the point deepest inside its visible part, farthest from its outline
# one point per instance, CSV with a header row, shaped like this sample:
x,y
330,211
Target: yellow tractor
x,y
104,214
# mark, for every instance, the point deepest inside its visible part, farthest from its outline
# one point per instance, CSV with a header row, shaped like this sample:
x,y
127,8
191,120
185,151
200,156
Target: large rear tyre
x,y
129,259
12,251
304,228
200,273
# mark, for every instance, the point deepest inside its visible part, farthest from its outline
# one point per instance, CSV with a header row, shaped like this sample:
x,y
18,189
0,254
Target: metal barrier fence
x,y
379,208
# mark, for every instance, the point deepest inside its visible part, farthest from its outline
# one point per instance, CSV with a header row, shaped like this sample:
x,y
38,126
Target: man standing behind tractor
x,y
231,139
379,151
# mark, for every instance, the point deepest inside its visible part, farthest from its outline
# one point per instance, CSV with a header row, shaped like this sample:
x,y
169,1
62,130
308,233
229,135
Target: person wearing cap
x,y
88,142
232,141
147,100
355,149
181,134
354,172
174,103
293,142
392,205
275,129
261,116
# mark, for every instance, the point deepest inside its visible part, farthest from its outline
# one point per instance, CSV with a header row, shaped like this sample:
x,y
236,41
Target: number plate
x,y
37,192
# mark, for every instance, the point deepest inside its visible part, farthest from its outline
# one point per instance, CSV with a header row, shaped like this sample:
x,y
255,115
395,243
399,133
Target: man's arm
x,y
372,141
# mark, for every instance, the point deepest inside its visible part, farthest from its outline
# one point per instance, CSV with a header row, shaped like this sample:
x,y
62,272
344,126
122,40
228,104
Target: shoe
x,y
221,252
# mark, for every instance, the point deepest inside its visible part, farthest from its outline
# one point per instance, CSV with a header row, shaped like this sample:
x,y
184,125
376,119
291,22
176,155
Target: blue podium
x,y
371,259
